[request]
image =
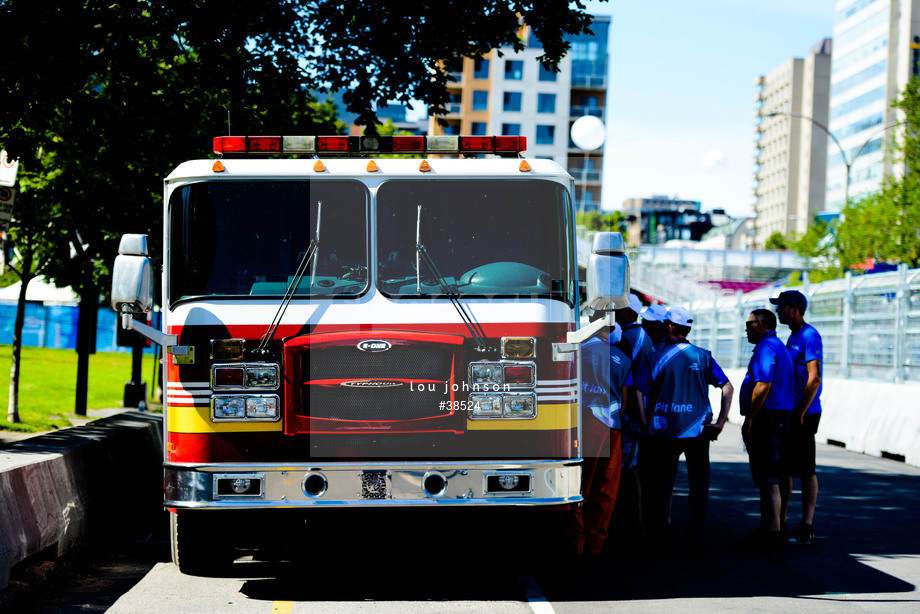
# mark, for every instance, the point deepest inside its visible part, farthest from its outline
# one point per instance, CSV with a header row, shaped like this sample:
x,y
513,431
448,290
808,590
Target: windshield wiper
x,y
421,254
311,253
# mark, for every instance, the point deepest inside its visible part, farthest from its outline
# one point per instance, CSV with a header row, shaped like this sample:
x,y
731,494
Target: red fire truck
x,y
348,328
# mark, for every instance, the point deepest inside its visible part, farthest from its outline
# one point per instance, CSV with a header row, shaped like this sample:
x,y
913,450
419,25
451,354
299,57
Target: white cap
x,y
616,333
679,316
634,303
655,313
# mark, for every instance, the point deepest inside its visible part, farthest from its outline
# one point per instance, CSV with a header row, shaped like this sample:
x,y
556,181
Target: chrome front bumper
x,y
530,483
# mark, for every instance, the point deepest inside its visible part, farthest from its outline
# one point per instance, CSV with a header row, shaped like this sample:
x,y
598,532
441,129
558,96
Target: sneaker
x,y
803,535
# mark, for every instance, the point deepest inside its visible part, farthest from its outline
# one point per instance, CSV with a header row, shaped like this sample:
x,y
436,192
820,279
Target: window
x,y
481,69
478,129
546,135
207,219
514,69
546,75
480,100
546,103
512,101
511,129
479,249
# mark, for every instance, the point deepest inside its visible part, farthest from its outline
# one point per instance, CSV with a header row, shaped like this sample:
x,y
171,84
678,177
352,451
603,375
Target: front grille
x,y
390,402
400,361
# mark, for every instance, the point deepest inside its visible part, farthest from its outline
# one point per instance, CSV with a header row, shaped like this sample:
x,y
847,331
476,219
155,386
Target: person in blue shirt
x,y
767,403
636,344
807,352
676,385
605,373
653,323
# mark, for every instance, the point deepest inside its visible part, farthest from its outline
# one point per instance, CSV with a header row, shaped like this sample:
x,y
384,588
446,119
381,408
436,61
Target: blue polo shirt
x,y
770,363
676,383
636,344
805,345
604,371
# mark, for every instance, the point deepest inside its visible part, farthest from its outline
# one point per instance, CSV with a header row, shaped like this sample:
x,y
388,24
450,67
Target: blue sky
x,y
681,92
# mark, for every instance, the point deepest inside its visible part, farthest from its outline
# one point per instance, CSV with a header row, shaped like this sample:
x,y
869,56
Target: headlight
x,y
485,405
262,376
485,374
519,405
228,408
262,408
242,408
503,389
246,375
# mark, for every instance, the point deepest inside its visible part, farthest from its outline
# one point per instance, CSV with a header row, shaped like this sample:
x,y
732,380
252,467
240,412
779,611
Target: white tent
x,y
40,291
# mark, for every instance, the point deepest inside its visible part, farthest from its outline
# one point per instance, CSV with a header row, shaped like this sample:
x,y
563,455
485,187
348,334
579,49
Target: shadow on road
x,y
863,515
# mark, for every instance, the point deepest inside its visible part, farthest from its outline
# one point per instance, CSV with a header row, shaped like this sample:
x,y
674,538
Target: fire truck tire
x,y
199,547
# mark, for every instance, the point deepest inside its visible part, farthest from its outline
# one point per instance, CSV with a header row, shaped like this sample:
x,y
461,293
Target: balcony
x,y
577,111
585,175
589,81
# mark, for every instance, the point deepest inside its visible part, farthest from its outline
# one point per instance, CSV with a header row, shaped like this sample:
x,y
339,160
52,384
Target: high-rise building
x,y
512,94
790,153
876,52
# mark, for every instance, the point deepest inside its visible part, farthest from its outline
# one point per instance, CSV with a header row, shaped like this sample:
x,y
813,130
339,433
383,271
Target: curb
x,y
95,480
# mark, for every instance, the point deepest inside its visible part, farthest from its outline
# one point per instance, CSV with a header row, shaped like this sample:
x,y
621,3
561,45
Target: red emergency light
x,y
256,145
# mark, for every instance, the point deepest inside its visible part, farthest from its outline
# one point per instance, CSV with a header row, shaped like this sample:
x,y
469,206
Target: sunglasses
x,y
751,323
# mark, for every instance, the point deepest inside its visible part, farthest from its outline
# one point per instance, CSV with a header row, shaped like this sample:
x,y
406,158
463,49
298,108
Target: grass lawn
x,y
48,381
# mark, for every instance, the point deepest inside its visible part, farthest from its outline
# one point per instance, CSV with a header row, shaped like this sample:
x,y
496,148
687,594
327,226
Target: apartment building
x,y
791,141
512,94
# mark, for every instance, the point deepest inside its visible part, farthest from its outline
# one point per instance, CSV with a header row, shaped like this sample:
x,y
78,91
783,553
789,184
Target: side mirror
x,y
608,272
132,276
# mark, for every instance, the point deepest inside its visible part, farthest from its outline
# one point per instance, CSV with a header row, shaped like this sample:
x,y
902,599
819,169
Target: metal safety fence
x,y
870,324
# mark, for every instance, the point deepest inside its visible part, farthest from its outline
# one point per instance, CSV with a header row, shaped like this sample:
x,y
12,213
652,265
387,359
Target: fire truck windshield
x,y
239,238
488,238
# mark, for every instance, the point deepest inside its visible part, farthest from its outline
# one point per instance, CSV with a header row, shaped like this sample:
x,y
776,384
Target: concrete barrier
x,y
876,418
97,481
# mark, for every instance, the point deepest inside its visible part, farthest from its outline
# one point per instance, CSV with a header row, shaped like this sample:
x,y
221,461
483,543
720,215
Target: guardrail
x,y
870,325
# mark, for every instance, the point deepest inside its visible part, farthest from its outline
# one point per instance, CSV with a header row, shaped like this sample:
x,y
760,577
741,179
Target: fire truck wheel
x,y
199,547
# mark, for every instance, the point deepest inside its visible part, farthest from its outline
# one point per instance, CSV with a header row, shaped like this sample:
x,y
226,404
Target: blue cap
x,y
791,297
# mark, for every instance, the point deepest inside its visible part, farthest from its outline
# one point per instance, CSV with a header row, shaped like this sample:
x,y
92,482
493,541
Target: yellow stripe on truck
x,y
550,417
198,420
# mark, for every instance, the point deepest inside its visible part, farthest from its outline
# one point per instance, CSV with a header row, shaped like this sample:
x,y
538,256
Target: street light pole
x,y
848,162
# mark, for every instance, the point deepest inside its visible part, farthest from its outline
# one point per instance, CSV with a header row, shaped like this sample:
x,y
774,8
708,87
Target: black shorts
x,y
768,449
802,446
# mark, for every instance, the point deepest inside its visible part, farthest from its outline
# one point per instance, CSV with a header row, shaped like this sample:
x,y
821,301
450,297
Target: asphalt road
x,y
867,560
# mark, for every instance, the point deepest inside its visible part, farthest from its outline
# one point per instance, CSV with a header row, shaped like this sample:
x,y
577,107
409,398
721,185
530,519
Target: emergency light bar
x,y
368,144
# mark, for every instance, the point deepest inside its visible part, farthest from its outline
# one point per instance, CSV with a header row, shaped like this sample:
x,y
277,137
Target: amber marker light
x,y
319,167
218,167
424,166
372,167
524,166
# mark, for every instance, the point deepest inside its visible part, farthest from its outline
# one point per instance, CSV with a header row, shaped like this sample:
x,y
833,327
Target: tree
x,y
777,241
883,226
232,60
108,97
613,221
38,237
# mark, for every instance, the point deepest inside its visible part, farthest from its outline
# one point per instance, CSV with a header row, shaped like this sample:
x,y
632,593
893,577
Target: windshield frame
x,y
169,241
567,259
